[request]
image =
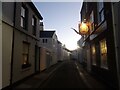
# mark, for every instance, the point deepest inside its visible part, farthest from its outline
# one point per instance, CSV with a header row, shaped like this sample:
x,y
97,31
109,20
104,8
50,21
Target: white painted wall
x,y
0,45
7,33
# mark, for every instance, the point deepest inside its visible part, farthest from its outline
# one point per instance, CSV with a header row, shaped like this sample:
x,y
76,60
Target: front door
x,y
37,58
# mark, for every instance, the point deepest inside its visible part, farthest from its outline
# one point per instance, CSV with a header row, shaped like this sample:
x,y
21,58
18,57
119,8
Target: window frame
x,y
103,54
34,21
94,62
25,63
23,17
100,11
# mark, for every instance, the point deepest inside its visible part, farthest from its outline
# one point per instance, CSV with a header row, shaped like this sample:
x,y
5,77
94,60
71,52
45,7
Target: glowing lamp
x,y
83,28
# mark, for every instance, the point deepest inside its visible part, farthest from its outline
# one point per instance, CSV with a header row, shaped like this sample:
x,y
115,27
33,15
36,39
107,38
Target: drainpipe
x,y
12,53
116,27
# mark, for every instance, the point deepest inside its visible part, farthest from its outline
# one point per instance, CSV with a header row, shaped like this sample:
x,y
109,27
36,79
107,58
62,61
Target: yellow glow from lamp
x,y
83,28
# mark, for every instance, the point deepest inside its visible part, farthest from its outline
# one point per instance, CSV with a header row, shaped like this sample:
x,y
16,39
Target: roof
x,y
35,10
46,34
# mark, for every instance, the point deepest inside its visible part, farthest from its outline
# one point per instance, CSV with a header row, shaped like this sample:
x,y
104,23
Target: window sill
x,y
24,66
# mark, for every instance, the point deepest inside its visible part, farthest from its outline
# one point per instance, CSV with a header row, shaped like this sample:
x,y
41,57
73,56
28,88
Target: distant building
x,y
66,53
100,44
20,34
59,51
48,40
80,50
74,55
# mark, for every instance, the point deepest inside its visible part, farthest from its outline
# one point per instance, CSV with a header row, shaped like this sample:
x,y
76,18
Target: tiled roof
x,y
46,34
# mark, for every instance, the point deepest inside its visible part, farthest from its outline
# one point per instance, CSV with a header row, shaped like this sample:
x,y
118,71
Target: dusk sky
x,y
61,16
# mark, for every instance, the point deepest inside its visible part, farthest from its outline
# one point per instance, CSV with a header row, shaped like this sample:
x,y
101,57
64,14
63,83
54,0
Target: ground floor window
x,y
93,55
25,60
103,54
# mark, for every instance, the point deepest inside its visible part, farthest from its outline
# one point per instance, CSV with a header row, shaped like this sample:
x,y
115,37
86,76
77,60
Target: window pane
x,y
93,55
21,24
25,48
25,58
22,11
25,53
33,22
103,51
100,11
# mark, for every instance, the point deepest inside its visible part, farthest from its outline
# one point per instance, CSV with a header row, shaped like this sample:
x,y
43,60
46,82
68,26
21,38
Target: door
x,y
88,61
37,58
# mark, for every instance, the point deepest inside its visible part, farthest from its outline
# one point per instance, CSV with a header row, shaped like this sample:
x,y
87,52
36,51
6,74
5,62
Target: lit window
x,y
93,55
103,52
25,61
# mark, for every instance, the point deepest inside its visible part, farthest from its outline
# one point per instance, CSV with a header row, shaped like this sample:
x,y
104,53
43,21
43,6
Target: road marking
x,y
83,76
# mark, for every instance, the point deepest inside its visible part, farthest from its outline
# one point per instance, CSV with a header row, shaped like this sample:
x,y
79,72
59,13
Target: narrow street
x,y
69,75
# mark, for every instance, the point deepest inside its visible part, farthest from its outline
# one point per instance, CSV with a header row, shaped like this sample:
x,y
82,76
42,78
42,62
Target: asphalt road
x,y
66,76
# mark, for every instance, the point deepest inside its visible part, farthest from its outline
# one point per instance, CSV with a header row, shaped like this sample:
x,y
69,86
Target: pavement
x,y
38,79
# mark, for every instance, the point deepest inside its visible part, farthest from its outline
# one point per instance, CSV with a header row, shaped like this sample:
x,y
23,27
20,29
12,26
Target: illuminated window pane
x,y
25,53
103,52
93,55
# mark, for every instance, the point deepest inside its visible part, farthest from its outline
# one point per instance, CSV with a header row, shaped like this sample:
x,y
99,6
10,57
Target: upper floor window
x,y
100,8
44,40
33,25
23,17
91,20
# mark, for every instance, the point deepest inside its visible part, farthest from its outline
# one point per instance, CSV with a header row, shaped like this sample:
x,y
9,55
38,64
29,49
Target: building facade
x,y
80,50
59,51
0,45
20,30
116,28
99,43
48,40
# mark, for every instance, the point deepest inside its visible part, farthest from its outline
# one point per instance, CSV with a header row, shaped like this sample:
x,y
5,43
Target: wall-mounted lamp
x,y
83,28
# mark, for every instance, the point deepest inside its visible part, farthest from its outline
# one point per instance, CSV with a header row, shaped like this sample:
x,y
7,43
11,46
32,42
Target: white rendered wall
x,y
0,45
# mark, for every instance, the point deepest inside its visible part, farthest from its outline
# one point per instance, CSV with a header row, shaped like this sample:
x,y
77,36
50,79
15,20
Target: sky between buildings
x,y
61,16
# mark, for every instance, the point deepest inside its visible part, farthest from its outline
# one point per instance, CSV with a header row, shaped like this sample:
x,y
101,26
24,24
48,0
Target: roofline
x,y
35,10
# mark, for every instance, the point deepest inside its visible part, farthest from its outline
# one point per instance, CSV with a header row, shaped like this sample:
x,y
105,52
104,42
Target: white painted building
x,y
59,51
48,40
7,39
0,45
20,37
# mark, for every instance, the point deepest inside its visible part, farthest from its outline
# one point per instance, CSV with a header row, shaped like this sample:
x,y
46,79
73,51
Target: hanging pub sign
x,y
83,28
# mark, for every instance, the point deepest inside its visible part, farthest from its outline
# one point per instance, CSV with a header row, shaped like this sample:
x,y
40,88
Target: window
x,y
103,52
91,22
93,55
33,25
23,17
100,8
25,62
44,40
